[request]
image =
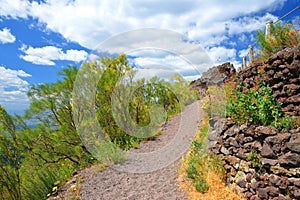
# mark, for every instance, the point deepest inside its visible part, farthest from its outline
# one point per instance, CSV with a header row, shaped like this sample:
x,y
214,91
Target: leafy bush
x,y
257,106
11,157
280,38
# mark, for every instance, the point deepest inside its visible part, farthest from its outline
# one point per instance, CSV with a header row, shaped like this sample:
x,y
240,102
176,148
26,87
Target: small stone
x,y
294,143
273,179
266,130
233,142
212,146
241,153
257,184
224,151
244,166
248,139
282,197
248,195
262,193
269,162
283,183
295,181
248,177
267,152
272,191
238,189
231,132
296,194
289,159
240,179
243,127
255,197
253,146
213,136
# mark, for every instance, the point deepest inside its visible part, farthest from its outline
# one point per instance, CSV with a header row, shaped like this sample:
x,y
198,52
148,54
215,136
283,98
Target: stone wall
x,y
282,73
261,162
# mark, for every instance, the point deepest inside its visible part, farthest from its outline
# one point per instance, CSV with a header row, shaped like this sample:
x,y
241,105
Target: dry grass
x,y
216,180
217,188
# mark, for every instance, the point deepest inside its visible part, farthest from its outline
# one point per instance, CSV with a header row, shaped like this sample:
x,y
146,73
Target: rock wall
x,y
282,73
261,162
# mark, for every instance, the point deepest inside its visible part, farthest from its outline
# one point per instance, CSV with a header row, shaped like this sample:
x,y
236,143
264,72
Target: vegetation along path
x,y
162,183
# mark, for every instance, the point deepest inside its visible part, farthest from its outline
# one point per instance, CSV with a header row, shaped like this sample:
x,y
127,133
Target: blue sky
x,y
40,38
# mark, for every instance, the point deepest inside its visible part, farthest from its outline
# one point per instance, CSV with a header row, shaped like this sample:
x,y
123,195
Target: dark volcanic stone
x,y
272,191
266,130
262,193
294,143
267,152
289,159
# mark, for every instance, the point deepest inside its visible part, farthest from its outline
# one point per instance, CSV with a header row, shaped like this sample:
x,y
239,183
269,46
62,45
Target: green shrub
x,y
280,38
257,106
255,159
201,185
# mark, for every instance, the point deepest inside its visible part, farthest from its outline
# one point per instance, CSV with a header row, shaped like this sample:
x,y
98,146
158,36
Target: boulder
x,y
213,76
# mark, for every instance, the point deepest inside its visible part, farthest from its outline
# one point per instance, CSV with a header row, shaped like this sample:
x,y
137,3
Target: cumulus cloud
x,y
6,36
249,24
222,54
89,22
15,8
48,54
13,89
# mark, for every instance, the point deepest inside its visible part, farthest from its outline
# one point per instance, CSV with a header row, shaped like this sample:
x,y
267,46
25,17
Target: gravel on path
x,y
140,179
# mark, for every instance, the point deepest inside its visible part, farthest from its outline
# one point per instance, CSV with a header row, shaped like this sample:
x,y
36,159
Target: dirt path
x,y
145,175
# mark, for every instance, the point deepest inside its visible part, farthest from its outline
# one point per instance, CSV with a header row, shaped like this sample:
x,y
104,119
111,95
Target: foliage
x,y
131,110
44,181
55,137
34,161
255,159
280,38
215,102
200,163
257,106
11,157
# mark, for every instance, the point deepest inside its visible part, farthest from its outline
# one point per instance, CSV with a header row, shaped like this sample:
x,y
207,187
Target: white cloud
x,y
48,54
243,52
15,8
13,89
163,50
222,54
89,22
249,24
6,36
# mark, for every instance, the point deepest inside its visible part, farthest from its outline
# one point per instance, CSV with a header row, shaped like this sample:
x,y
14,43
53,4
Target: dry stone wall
x,y
261,162
282,73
